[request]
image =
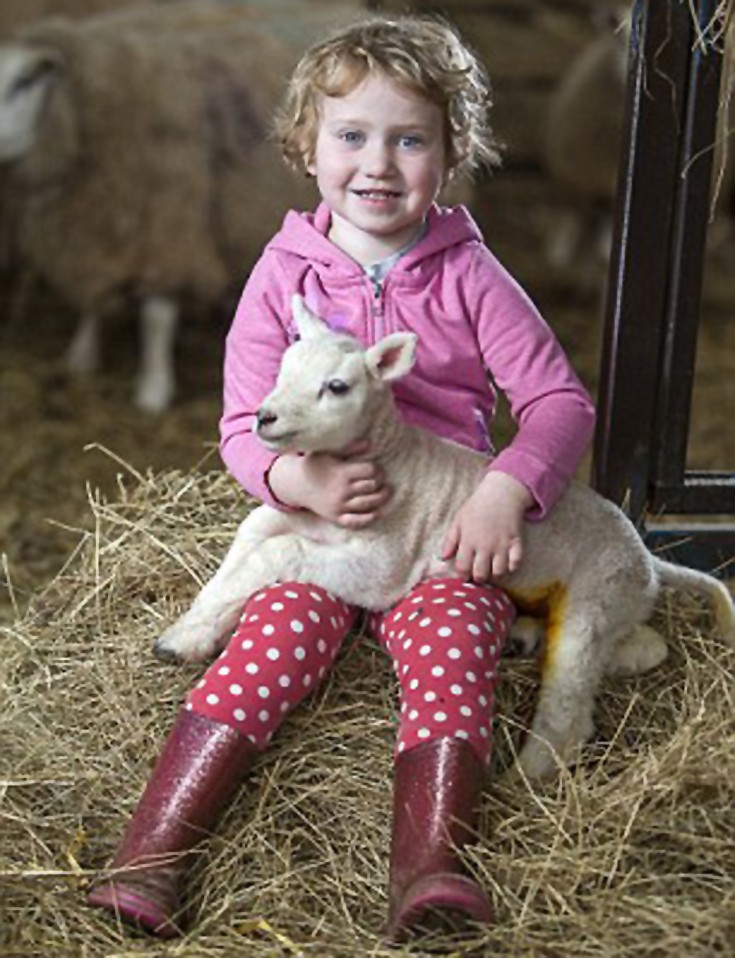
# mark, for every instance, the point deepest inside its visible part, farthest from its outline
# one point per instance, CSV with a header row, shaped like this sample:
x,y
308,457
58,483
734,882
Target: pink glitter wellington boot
x,y
197,773
436,792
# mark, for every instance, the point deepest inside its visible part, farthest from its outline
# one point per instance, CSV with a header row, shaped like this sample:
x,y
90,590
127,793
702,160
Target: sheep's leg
x,y
214,613
159,317
640,651
83,354
570,675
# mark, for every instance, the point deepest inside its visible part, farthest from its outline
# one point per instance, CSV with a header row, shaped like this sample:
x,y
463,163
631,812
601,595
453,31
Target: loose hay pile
x,y
634,854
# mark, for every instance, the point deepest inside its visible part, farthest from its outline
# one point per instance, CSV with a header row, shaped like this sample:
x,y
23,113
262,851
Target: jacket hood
x,y
305,235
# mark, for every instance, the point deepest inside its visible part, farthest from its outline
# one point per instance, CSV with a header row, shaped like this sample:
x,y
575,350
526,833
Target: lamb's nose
x,y
265,418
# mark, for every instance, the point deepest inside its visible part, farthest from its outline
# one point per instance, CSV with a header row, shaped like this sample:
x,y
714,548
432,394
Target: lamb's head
x,y
329,388
26,76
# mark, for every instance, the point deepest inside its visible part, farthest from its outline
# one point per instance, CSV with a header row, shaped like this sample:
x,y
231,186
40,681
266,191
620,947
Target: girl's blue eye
x,y
351,137
410,141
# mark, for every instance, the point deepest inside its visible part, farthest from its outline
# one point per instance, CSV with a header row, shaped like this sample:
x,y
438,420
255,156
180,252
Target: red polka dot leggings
x,y
444,637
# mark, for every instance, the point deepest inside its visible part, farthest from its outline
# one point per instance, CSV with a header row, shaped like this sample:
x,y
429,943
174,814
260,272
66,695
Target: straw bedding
x,y
632,854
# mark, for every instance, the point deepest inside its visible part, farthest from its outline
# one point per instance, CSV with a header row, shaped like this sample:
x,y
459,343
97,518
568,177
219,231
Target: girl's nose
x,y
378,160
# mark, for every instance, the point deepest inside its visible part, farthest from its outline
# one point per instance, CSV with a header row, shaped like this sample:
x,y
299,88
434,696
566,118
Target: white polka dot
x,y
285,706
425,621
251,668
315,595
307,680
263,715
397,616
322,670
439,601
252,739
269,629
444,631
407,644
438,671
478,651
236,689
470,605
212,699
189,706
413,715
259,597
423,733
425,650
473,629
314,616
454,612
470,676
454,653
416,599
300,652
413,684
484,600
440,716
483,732
277,606
430,697
292,595
465,710
297,626
439,585
247,645
493,650
460,733
333,621
264,692
321,646
455,689
254,618
225,670
404,670
200,685
273,654
239,715
284,681
401,746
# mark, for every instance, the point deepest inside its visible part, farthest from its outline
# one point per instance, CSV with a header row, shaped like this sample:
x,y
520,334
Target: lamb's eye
x,y
338,387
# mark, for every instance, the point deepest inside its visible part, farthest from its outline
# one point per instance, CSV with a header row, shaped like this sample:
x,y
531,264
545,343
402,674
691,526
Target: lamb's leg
x,y
159,317
570,675
643,649
83,354
214,613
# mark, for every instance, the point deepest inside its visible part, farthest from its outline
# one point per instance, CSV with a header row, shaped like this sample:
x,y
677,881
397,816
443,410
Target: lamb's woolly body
x,y
15,14
584,565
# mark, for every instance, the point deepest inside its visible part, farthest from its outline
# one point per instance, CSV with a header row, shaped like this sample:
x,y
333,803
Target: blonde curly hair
x,y
421,54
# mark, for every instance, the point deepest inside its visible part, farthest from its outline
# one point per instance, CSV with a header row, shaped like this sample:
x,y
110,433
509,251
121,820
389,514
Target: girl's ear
x,y
307,323
392,357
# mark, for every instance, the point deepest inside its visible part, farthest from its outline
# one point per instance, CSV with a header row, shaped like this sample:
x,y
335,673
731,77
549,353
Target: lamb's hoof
x,y
183,643
164,654
153,395
638,652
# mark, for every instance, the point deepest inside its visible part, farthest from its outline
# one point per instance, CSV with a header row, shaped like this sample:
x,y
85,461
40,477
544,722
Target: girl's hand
x,y
347,489
486,534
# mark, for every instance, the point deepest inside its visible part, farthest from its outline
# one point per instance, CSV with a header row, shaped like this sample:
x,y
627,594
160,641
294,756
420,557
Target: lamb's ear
x,y
307,323
392,357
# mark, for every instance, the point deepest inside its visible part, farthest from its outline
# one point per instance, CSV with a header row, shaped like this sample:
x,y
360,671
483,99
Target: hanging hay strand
x,y
631,855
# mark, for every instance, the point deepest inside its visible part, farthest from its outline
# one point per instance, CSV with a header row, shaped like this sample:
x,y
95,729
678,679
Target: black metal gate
x,y
655,286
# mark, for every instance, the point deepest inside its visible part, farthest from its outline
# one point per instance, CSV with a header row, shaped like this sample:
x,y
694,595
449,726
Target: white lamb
x,y
585,563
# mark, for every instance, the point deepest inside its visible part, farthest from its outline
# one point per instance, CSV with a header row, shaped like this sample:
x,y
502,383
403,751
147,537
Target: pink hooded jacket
x,y
476,328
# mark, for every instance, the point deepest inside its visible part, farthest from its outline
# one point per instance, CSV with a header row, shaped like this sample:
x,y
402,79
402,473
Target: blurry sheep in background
x,y
15,14
136,143
581,152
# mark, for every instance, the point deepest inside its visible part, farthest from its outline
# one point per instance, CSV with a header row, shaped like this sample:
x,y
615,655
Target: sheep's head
x,y
26,77
329,388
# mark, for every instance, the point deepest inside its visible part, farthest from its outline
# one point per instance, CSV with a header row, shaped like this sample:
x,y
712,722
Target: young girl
x,y
382,114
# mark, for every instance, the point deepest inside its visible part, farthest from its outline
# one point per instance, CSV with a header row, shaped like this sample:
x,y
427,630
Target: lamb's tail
x,y
684,578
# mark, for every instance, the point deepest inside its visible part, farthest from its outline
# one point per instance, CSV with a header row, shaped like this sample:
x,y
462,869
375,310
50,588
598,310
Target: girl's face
x,y
379,163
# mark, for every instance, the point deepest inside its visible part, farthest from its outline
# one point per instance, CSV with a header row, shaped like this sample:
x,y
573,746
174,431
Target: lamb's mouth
x,y
279,441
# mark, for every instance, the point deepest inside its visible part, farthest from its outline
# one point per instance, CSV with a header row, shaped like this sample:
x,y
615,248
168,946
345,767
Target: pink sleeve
x,y
255,344
552,409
